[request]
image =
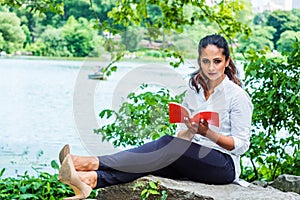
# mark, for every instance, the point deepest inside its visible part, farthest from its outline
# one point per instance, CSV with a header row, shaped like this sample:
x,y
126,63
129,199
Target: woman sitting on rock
x,y
199,152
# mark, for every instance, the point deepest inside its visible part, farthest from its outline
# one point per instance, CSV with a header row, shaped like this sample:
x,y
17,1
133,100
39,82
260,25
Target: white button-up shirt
x,y
235,113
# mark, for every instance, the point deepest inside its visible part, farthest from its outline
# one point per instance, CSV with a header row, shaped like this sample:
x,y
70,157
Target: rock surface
x,y
191,190
287,182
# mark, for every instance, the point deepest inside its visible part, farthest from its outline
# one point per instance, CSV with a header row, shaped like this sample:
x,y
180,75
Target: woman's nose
x,y
211,66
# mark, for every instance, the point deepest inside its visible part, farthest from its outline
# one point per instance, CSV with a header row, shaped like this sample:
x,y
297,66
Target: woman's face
x,y
213,63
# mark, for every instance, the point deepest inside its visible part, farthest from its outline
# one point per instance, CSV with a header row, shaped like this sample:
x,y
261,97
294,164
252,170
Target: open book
x,y
177,112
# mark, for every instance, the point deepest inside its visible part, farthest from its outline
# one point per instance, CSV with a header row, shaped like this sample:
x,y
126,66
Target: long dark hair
x,y
231,71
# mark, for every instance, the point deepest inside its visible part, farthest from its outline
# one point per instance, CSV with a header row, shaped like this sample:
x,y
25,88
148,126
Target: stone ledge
x,y
178,189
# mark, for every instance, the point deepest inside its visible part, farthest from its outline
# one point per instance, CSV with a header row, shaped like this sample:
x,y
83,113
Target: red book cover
x,y
177,112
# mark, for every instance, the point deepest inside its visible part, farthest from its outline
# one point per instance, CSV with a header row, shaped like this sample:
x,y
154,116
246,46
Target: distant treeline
x,y
78,32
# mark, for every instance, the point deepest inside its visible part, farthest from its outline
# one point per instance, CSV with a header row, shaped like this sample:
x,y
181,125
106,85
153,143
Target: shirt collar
x,y
222,84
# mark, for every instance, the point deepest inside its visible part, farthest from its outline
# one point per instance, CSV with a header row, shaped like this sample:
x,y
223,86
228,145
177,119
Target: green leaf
x,y
23,189
253,73
114,68
144,192
2,172
291,101
28,196
54,164
152,185
48,187
153,191
275,79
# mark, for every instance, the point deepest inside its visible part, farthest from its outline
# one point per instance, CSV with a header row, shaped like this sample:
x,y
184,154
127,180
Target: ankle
x,y
89,178
85,163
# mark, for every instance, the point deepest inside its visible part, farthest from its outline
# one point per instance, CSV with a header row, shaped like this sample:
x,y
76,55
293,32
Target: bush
x,y
143,116
44,186
273,84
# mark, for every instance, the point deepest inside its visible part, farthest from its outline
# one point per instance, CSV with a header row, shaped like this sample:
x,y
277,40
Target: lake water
x,y
47,103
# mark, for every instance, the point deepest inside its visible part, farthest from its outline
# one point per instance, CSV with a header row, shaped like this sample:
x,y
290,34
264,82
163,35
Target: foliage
x,y
175,16
152,189
2,41
287,38
282,21
76,38
131,38
144,116
260,38
53,43
44,186
274,86
36,6
11,32
79,36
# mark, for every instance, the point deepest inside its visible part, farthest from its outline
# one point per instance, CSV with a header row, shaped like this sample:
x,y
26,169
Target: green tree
x,y
261,18
173,16
80,36
273,84
89,9
36,6
77,9
27,35
287,38
11,31
261,37
282,21
54,43
131,38
2,41
33,21
246,16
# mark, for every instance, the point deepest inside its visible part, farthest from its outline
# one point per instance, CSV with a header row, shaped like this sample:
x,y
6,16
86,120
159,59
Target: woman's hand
x,y
195,128
202,128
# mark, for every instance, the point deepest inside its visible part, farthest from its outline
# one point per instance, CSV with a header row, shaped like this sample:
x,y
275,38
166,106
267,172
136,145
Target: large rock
x,y
191,190
287,182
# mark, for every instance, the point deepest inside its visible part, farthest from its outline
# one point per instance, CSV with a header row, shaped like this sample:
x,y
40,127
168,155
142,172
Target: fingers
x,y
195,128
203,123
191,126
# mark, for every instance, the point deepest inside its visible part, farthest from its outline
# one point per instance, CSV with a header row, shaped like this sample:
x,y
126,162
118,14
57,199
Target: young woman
x,y
199,152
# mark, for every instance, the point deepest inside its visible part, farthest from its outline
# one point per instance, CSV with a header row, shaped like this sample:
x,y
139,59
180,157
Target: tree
x,y
260,38
2,41
286,41
11,31
77,9
273,84
129,12
261,18
131,38
54,43
246,16
282,21
80,37
36,6
175,16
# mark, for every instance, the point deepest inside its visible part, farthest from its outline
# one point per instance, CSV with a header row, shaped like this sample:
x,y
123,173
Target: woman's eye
x,y
205,61
217,61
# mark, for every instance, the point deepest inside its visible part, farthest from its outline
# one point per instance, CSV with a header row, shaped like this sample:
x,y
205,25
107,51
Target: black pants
x,y
169,157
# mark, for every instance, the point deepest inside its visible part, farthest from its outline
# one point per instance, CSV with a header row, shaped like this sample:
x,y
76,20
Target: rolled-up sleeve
x,y
240,120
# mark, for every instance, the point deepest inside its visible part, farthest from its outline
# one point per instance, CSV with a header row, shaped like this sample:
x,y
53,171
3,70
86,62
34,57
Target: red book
x,y
177,112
